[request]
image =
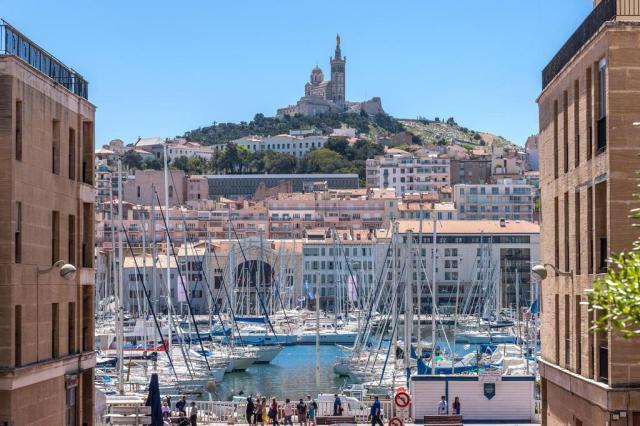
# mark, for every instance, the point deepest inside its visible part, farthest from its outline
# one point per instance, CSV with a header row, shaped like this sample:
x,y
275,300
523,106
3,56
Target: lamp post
x,y
540,271
67,270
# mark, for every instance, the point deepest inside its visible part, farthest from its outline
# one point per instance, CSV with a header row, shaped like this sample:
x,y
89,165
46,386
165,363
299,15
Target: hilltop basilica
x,y
321,96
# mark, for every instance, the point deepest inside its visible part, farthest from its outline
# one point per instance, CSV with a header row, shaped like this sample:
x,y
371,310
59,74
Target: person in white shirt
x,y
443,407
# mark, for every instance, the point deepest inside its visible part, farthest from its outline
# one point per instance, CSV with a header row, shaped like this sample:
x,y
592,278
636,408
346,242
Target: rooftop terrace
x,y
14,43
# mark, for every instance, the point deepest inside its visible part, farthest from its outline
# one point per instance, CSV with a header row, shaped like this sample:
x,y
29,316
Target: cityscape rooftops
x,y
470,226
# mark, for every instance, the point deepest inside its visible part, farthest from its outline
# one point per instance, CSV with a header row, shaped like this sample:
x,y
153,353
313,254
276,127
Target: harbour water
x,y
290,375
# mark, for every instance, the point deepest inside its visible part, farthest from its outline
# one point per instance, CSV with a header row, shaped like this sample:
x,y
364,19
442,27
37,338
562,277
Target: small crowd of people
x,y
443,406
180,412
263,413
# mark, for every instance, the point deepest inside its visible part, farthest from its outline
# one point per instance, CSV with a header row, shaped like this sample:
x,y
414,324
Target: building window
x,y
55,148
602,106
577,330
600,221
556,227
566,231
55,237
71,329
55,331
71,243
588,114
17,251
567,331
565,130
87,234
87,152
17,336
576,223
138,191
19,130
576,123
555,139
556,327
590,247
72,154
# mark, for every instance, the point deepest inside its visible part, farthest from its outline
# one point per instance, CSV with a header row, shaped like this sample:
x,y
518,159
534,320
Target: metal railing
x,y
13,43
603,12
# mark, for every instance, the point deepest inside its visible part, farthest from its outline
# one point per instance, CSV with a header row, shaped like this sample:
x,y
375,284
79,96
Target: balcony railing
x,y
13,43
605,11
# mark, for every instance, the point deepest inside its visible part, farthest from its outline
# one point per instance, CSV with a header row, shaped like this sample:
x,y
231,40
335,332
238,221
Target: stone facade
x,y
46,216
588,158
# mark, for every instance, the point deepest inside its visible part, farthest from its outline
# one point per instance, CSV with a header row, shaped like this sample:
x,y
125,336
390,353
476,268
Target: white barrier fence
x,y
234,412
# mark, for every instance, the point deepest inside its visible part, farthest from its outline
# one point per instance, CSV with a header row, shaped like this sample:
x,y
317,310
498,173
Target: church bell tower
x,y
337,75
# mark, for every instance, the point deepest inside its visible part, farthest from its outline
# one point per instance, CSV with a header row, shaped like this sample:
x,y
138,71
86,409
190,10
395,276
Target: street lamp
x,y
67,270
540,271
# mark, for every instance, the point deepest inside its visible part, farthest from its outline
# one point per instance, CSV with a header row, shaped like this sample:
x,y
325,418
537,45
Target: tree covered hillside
x,y
219,133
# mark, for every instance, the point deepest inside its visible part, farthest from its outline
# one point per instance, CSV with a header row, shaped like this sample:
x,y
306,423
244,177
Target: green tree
x,y
615,297
132,160
324,160
337,144
275,162
153,163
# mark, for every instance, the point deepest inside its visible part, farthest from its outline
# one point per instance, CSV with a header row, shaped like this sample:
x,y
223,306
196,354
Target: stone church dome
x,y
317,76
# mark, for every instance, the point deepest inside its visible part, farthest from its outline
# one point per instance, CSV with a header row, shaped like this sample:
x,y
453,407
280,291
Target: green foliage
x,y
219,133
616,296
324,160
132,160
153,164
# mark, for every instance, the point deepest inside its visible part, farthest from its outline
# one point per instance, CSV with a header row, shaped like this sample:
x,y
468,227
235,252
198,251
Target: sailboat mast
x,y
419,286
168,243
120,298
433,290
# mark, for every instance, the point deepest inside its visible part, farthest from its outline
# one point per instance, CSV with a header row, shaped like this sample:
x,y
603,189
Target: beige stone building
x,y
589,153
46,220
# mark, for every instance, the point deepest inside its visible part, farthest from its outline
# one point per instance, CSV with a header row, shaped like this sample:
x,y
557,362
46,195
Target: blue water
x,y
290,375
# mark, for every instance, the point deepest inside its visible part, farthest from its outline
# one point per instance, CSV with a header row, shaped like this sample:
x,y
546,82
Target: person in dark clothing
x,y
456,406
250,409
181,406
376,411
273,413
337,406
302,412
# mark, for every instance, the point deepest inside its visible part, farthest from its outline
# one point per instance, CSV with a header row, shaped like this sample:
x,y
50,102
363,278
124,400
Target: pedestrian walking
x,y
456,406
312,410
257,413
302,412
249,411
337,406
376,413
193,414
443,406
265,411
166,411
288,412
273,413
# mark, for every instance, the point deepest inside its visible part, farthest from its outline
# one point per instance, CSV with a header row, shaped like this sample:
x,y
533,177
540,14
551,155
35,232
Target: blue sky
x,y
159,68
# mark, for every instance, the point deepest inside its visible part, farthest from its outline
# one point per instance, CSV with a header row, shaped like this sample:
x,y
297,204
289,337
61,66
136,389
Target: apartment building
x,y
335,261
46,172
406,172
470,171
510,199
295,145
489,260
588,159
290,215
